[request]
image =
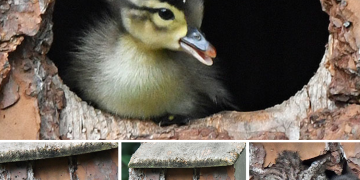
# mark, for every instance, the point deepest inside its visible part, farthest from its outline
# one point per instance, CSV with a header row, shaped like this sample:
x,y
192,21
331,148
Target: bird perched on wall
x,y
149,60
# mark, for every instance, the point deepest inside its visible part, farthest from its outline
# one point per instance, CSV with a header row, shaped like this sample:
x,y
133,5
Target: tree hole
x,y
268,49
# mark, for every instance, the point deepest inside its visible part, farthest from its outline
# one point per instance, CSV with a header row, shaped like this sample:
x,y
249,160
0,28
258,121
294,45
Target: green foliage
x,y
127,150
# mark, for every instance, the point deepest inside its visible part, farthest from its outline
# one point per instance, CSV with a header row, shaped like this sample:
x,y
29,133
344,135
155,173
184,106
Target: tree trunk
x,y
35,104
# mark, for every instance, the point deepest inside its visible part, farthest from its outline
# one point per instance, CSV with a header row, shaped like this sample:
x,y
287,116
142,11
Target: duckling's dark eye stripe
x,y
180,4
134,6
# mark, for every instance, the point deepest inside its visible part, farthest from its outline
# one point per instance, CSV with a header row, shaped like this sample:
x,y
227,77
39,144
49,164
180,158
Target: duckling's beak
x,y
195,44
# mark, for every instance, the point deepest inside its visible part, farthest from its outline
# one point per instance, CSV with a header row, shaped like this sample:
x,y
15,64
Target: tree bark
x,y
34,98
322,156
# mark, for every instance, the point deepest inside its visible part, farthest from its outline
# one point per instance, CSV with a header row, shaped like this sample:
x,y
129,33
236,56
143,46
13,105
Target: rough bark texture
x,y
343,64
329,156
25,39
35,104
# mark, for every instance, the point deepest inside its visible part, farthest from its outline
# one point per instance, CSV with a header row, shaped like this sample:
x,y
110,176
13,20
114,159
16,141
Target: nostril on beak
x,y
197,36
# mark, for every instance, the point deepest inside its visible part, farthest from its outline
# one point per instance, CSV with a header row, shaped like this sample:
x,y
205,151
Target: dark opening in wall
x,y
268,49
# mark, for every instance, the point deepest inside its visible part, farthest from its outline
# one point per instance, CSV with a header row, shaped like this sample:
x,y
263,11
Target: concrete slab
x,y
23,151
186,155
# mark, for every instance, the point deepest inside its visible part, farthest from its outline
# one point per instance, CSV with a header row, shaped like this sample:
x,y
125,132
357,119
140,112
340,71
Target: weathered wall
x,y
226,172
92,166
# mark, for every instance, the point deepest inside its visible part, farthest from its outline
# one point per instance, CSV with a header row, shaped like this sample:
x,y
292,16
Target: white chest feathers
x,y
139,83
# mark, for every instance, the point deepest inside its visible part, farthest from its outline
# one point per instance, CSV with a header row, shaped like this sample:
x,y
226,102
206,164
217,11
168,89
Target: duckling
x,y
149,61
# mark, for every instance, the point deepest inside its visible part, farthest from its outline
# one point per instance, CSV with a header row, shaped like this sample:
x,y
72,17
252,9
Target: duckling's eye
x,y
166,14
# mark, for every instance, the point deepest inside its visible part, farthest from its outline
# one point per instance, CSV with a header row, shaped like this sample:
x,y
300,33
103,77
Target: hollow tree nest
x,y
35,104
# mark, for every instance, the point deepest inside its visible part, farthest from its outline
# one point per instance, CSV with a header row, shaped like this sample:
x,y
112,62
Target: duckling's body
x,y
128,75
